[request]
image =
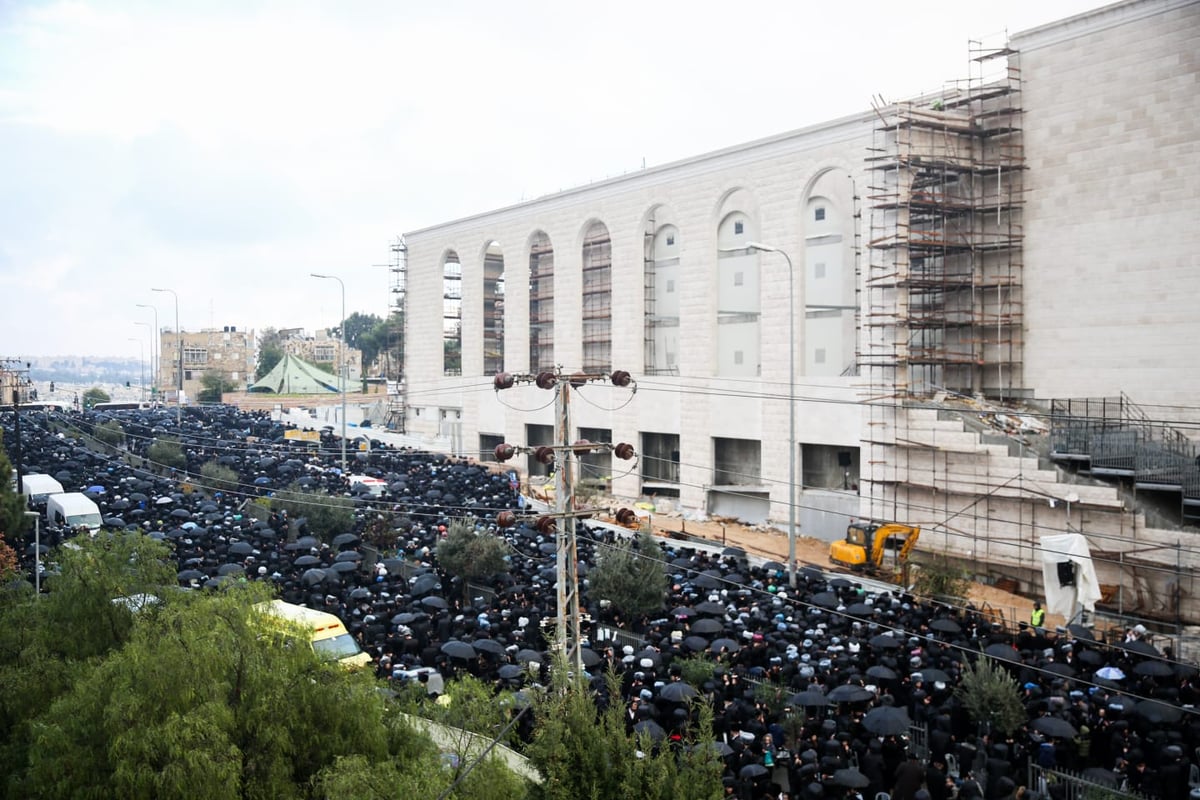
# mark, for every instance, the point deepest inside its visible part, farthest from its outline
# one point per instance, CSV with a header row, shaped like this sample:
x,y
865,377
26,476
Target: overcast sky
x,y
228,149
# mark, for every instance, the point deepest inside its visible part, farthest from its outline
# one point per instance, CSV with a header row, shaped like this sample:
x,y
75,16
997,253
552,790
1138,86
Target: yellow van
x,y
328,636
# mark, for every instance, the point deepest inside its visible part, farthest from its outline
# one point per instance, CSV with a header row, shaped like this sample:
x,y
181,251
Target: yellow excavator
x,y
867,545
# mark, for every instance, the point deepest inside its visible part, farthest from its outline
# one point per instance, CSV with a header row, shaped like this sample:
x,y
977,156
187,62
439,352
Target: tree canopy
x,y
270,352
470,555
630,576
94,395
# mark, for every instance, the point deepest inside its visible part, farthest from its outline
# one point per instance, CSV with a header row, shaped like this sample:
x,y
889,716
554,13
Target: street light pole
x,y
179,334
155,345
343,367
141,359
759,247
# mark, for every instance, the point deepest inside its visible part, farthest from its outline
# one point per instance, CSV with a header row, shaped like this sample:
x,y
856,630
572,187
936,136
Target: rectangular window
x,y
819,214
670,239
196,356
187,374
819,270
819,355
738,279
826,466
670,286
538,436
737,357
659,462
487,446
738,227
737,462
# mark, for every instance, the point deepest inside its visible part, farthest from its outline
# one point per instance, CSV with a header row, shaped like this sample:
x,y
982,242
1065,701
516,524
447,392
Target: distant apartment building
x,y
228,350
323,350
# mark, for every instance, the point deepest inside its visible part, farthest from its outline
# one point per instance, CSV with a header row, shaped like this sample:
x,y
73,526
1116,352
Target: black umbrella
x,y
708,580
850,693
181,513
860,609
1082,632
826,600
509,671
527,655
753,771
1003,652
490,646
425,584
312,577
933,674
361,593
677,692
707,626
885,641
230,569
1140,647
308,541
886,720
590,658
1056,727
810,698
881,673
306,561
190,575
1158,712
1060,668
345,538
433,601
724,644
683,612
343,566
851,779
733,552
696,644
457,649
943,625
408,617
1090,658
241,548
650,728
348,555
774,566
1153,669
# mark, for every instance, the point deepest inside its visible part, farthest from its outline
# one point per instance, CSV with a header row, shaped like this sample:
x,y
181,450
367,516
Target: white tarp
x,y
1064,600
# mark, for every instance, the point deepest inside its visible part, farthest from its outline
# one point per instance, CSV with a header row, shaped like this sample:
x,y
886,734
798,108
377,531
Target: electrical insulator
x,y
621,378
544,454
546,380
545,525
506,519
504,451
623,451
502,381
626,517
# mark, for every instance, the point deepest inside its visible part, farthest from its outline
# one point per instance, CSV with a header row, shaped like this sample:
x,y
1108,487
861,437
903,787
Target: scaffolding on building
x,y
942,309
398,270
597,300
493,310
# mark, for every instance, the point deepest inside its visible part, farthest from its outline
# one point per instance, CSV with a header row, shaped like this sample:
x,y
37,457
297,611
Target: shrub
x,y
939,578
630,576
167,452
991,697
218,477
110,433
325,516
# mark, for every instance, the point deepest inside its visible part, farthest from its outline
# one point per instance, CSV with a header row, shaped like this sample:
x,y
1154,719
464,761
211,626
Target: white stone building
x,y
1026,236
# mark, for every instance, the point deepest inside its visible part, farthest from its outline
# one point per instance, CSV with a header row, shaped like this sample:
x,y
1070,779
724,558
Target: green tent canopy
x,y
294,375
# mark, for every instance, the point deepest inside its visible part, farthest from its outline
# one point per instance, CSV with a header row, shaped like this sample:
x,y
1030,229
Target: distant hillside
x,y
86,369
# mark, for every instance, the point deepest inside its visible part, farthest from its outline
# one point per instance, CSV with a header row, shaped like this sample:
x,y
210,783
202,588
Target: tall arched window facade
x,y
541,303
597,299
493,309
451,314
739,304
830,297
662,300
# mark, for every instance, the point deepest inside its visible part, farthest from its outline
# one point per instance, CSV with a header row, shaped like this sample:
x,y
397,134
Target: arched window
x,y
597,299
830,301
739,303
493,310
662,300
541,303
451,314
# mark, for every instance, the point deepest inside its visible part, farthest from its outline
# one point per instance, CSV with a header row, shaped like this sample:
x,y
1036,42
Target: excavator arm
x,y
907,534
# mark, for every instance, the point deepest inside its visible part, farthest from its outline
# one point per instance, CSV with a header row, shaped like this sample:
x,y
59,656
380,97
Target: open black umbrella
x,y
348,555
508,672
724,644
424,584
1060,668
1055,727
1003,652
1082,632
527,655
650,728
1158,712
850,693
707,627
1140,647
933,675
943,625
811,698
344,566
753,772
881,673
457,649
490,646
710,609
851,779
312,577
683,612
677,692
825,600
590,658
885,641
696,644
241,548
433,601
886,720
307,561
190,575
230,569
361,593
860,609
1153,669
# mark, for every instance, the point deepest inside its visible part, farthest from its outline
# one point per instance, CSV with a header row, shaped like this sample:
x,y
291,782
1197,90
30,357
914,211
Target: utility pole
x,y
569,638
13,367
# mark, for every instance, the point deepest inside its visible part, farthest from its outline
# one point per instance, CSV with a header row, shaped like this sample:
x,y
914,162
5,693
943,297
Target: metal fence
x,y
1070,785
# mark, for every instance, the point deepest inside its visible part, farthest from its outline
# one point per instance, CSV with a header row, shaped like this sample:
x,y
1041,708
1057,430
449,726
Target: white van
x,y
74,510
39,487
375,486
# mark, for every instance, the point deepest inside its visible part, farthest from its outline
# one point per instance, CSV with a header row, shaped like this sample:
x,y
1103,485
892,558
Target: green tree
x,y
270,352
110,433
12,505
168,452
325,516
215,384
470,555
584,753
360,334
218,478
630,576
938,578
95,395
990,696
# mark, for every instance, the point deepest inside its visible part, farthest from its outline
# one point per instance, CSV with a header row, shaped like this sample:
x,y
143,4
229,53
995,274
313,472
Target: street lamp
x,y
759,247
179,333
141,358
155,354
37,552
342,370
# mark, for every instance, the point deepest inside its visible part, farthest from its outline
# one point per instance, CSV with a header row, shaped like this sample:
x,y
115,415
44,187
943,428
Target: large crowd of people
x,y
819,690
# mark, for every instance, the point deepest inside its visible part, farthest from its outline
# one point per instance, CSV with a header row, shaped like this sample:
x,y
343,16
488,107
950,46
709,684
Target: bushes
x,y
325,516
110,433
167,452
218,477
